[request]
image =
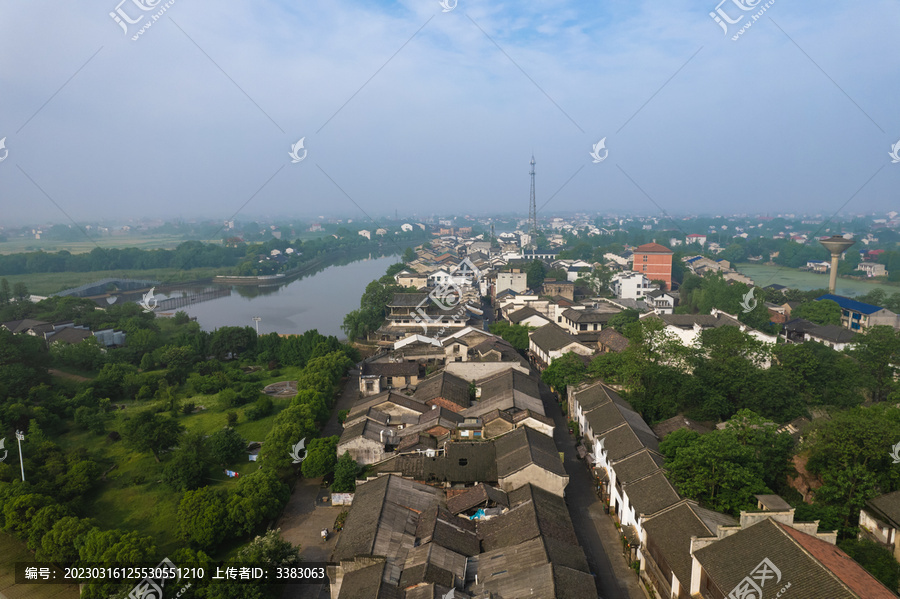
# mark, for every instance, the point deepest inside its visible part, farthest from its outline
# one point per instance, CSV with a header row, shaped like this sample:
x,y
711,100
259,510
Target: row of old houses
x,y
687,551
64,332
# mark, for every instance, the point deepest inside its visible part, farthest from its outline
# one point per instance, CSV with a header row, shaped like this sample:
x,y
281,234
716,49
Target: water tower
x,y
837,245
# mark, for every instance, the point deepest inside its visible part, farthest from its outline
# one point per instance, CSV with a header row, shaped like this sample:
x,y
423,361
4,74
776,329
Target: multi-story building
x,y
655,262
858,316
630,285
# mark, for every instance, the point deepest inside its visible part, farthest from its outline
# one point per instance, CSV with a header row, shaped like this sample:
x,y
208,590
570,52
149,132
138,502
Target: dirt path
x,y
67,375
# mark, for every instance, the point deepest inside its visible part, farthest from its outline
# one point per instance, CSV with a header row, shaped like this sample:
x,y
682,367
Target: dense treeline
x,y
165,366
195,254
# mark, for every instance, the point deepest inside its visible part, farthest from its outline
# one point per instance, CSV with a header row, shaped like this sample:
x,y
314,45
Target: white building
x,y
366,234
514,281
630,285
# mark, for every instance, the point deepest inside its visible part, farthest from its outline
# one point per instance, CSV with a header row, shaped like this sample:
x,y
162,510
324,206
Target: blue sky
x,y
196,117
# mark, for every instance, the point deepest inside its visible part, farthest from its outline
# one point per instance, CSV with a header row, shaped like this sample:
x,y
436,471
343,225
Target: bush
x,y
345,474
231,418
188,407
262,408
226,446
342,415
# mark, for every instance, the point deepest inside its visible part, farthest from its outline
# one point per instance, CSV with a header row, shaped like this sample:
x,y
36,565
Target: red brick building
x,y
655,262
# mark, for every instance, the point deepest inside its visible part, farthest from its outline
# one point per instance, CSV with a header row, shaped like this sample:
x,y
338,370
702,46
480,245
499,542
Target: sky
x,y
423,108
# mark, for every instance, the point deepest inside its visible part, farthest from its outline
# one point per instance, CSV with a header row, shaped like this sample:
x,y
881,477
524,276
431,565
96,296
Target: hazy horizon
x,y
405,106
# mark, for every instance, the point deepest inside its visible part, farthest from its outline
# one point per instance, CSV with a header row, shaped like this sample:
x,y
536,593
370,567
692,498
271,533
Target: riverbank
x,y
52,282
763,275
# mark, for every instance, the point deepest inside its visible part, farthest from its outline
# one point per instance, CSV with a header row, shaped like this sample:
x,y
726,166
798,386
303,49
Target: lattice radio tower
x,y
532,207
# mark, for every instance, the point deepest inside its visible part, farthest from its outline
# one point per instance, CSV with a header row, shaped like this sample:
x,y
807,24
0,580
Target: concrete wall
x,y
538,477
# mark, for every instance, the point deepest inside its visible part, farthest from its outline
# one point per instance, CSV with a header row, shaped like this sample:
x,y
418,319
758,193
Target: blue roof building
x,y
858,316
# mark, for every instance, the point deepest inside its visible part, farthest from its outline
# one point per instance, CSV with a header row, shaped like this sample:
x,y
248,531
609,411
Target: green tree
x,y
716,470
819,311
535,273
321,457
270,550
202,518
847,452
5,292
568,369
187,468
226,446
409,255
623,319
149,432
878,561
61,543
20,292
292,424
876,351
258,498
516,334
345,474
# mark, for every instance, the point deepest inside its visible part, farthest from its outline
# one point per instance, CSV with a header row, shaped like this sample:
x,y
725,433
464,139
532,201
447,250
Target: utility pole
x,y
21,437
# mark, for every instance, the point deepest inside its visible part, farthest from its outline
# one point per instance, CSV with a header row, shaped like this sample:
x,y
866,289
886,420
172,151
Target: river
x,y
317,301
764,275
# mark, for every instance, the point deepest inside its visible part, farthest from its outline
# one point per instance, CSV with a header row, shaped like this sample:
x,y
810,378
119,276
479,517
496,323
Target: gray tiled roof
x,y
368,583
537,513
652,493
671,531
587,316
637,466
705,321
407,300
390,369
384,516
446,385
524,446
816,569
475,496
550,337
886,508
439,526
677,423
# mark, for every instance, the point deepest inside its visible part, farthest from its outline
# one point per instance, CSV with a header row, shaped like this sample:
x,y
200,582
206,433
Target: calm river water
x,y
318,301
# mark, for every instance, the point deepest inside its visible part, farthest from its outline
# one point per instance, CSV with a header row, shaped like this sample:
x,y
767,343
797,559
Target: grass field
x,y
133,496
166,242
48,283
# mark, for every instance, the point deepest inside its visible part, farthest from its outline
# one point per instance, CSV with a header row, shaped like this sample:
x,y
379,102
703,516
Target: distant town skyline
x,y
367,108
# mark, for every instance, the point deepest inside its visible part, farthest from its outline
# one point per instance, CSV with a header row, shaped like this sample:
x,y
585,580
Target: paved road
x,y
305,514
593,527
